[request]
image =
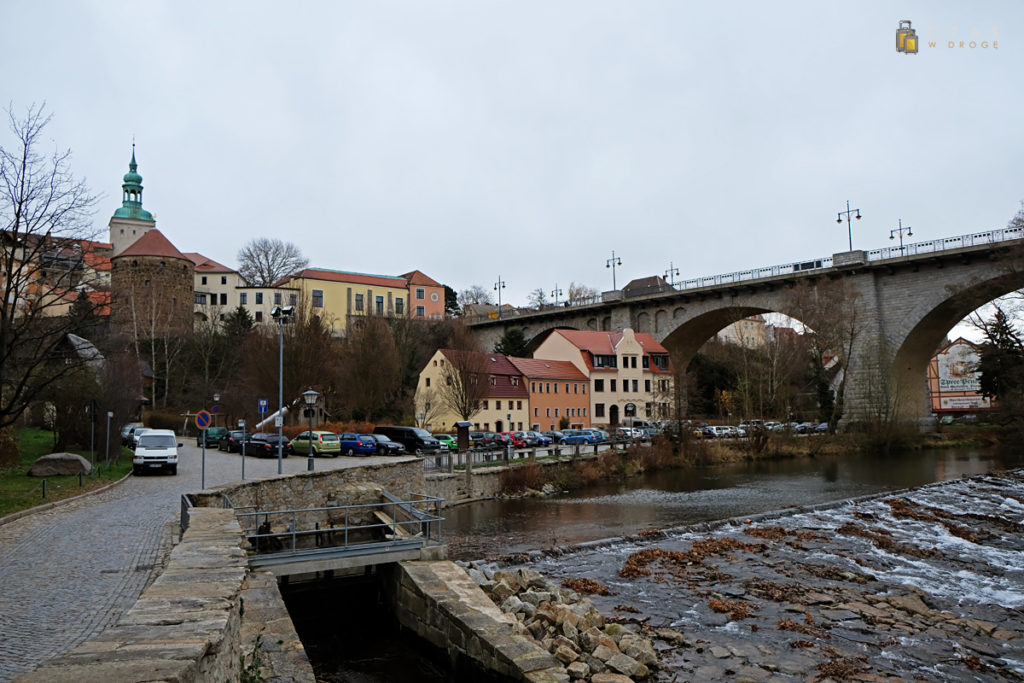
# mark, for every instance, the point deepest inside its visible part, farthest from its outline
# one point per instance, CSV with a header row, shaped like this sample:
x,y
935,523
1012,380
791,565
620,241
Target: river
x,y
683,496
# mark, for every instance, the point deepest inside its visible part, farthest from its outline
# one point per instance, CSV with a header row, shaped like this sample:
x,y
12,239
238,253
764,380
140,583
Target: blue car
x,y
571,437
352,444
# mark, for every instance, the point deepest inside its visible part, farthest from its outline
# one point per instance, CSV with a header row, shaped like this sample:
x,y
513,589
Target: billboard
x,y
957,368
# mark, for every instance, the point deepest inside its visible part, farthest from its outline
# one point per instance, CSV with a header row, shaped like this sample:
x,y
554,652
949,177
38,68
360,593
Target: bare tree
x,y
44,212
538,298
580,293
464,382
429,406
474,295
265,260
371,374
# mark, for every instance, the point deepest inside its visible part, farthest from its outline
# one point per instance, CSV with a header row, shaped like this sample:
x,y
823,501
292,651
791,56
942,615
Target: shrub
x,y
521,477
157,419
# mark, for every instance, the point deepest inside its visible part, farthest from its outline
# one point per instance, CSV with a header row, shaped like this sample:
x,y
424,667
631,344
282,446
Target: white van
x,y
156,449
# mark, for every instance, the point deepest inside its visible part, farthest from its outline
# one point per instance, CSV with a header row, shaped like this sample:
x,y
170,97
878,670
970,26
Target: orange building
x,y
954,383
426,296
557,390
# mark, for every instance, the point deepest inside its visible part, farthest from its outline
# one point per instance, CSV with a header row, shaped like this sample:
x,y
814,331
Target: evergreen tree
x,y
513,343
1002,361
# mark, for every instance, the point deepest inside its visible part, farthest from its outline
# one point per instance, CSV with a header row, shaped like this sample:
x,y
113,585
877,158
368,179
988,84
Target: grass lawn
x,y
18,491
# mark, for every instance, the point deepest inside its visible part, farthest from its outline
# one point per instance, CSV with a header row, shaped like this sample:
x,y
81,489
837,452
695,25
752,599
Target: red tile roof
x,y
153,243
342,276
497,366
207,265
418,278
547,369
604,343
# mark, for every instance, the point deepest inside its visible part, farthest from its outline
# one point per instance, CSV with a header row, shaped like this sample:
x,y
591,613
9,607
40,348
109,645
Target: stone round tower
x,y
152,288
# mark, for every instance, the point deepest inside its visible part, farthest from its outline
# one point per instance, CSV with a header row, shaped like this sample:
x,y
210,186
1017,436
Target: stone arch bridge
x,y
905,300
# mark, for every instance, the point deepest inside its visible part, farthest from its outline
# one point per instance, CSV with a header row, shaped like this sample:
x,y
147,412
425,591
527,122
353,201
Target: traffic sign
x,y
203,419
215,409
262,406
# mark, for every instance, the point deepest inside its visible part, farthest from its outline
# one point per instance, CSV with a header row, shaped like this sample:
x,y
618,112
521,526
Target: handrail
x,y
914,249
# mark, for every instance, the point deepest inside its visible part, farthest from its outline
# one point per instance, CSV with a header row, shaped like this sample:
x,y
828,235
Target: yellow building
x,y
339,297
501,401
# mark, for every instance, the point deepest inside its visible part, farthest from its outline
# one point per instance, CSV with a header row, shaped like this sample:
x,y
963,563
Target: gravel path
x,y
71,571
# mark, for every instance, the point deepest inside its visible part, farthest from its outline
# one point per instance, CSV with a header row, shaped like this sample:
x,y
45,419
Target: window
x,y
497,404
636,388
533,387
547,387
567,387
519,405
399,307
536,412
556,412
660,362
598,410
584,388
485,405
549,411
428,381
318,298
515,381
259,316
259,298
575,388
379,305
421,312
359,302
223,298
647,385
493,380
605,361
223,279
277,298
611,383
420,294
293,299
598,385
243,298
646,363
632,362
200,299
556,387
204,279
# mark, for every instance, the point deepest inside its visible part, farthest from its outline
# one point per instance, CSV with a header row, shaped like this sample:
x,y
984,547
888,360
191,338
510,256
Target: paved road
x,y
69,572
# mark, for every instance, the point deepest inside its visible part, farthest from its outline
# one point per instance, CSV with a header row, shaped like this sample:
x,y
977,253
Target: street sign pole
x,y
241,425
203,420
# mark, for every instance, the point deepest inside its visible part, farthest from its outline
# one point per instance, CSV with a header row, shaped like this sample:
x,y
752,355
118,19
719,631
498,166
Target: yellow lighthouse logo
x,y
906,38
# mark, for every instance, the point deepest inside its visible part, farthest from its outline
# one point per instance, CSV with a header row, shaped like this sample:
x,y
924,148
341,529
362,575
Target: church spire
x,y
131,195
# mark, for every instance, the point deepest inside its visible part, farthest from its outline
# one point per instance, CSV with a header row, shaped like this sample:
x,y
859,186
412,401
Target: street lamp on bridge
x,y
671,274
556,292
498,286
611,263
849,230
900,230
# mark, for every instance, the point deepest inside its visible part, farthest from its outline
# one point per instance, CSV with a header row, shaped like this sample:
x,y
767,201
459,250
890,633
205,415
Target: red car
x,y
515,438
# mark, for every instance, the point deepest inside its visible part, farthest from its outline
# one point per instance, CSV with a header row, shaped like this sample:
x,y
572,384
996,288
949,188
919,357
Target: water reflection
x,y
675,497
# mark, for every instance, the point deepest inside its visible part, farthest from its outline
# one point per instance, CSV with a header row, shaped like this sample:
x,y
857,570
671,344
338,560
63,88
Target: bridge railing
x,y
912,249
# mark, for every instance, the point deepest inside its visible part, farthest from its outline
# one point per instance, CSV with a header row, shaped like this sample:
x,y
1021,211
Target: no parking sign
x,y
203,419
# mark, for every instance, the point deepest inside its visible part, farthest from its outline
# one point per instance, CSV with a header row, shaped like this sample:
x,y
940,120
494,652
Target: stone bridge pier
x,y
901,309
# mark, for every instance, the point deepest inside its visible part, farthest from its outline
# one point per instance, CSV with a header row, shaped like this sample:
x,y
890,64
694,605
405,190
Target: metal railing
x,y
415,521
913,249
492,457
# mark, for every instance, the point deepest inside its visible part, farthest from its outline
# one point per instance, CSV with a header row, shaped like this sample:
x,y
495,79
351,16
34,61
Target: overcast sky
x,y
528,140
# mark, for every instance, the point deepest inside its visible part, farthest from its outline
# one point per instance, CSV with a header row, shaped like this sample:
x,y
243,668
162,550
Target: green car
x,y
213,436
324,443
448,440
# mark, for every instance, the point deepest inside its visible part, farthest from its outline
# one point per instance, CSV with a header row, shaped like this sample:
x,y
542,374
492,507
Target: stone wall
x,y
441,604
152,287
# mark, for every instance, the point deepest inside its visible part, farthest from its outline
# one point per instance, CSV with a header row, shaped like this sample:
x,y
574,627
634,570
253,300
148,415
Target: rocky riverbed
x,y
924,584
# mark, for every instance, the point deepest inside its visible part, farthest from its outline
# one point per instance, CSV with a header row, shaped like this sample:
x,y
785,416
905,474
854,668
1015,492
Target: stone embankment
x,y
566,624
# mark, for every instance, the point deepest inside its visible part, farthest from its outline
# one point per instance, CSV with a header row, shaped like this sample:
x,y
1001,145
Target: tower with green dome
x,y
131,221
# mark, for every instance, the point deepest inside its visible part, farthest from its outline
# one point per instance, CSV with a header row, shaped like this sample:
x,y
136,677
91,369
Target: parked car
x,y
502,440
554,435
541,439
157,450
571,437
128,433
822,428
232,443
353,444
448,440
517,439
137,434
481,440
720,431
385,446
415,439
213,436
263,445
528,439
600,435
324,443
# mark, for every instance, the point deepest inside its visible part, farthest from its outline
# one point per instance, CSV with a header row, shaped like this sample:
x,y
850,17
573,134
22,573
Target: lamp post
x,y
671,274
310,398
281,315
556,292
216,408
611,263
849,230
109,415
900,230
498,286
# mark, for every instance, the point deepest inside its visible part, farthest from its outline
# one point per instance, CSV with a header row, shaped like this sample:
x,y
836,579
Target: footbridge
x,y
904,301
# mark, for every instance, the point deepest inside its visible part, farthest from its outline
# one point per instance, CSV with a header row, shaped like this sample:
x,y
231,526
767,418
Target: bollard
x,y
44,488
79,480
